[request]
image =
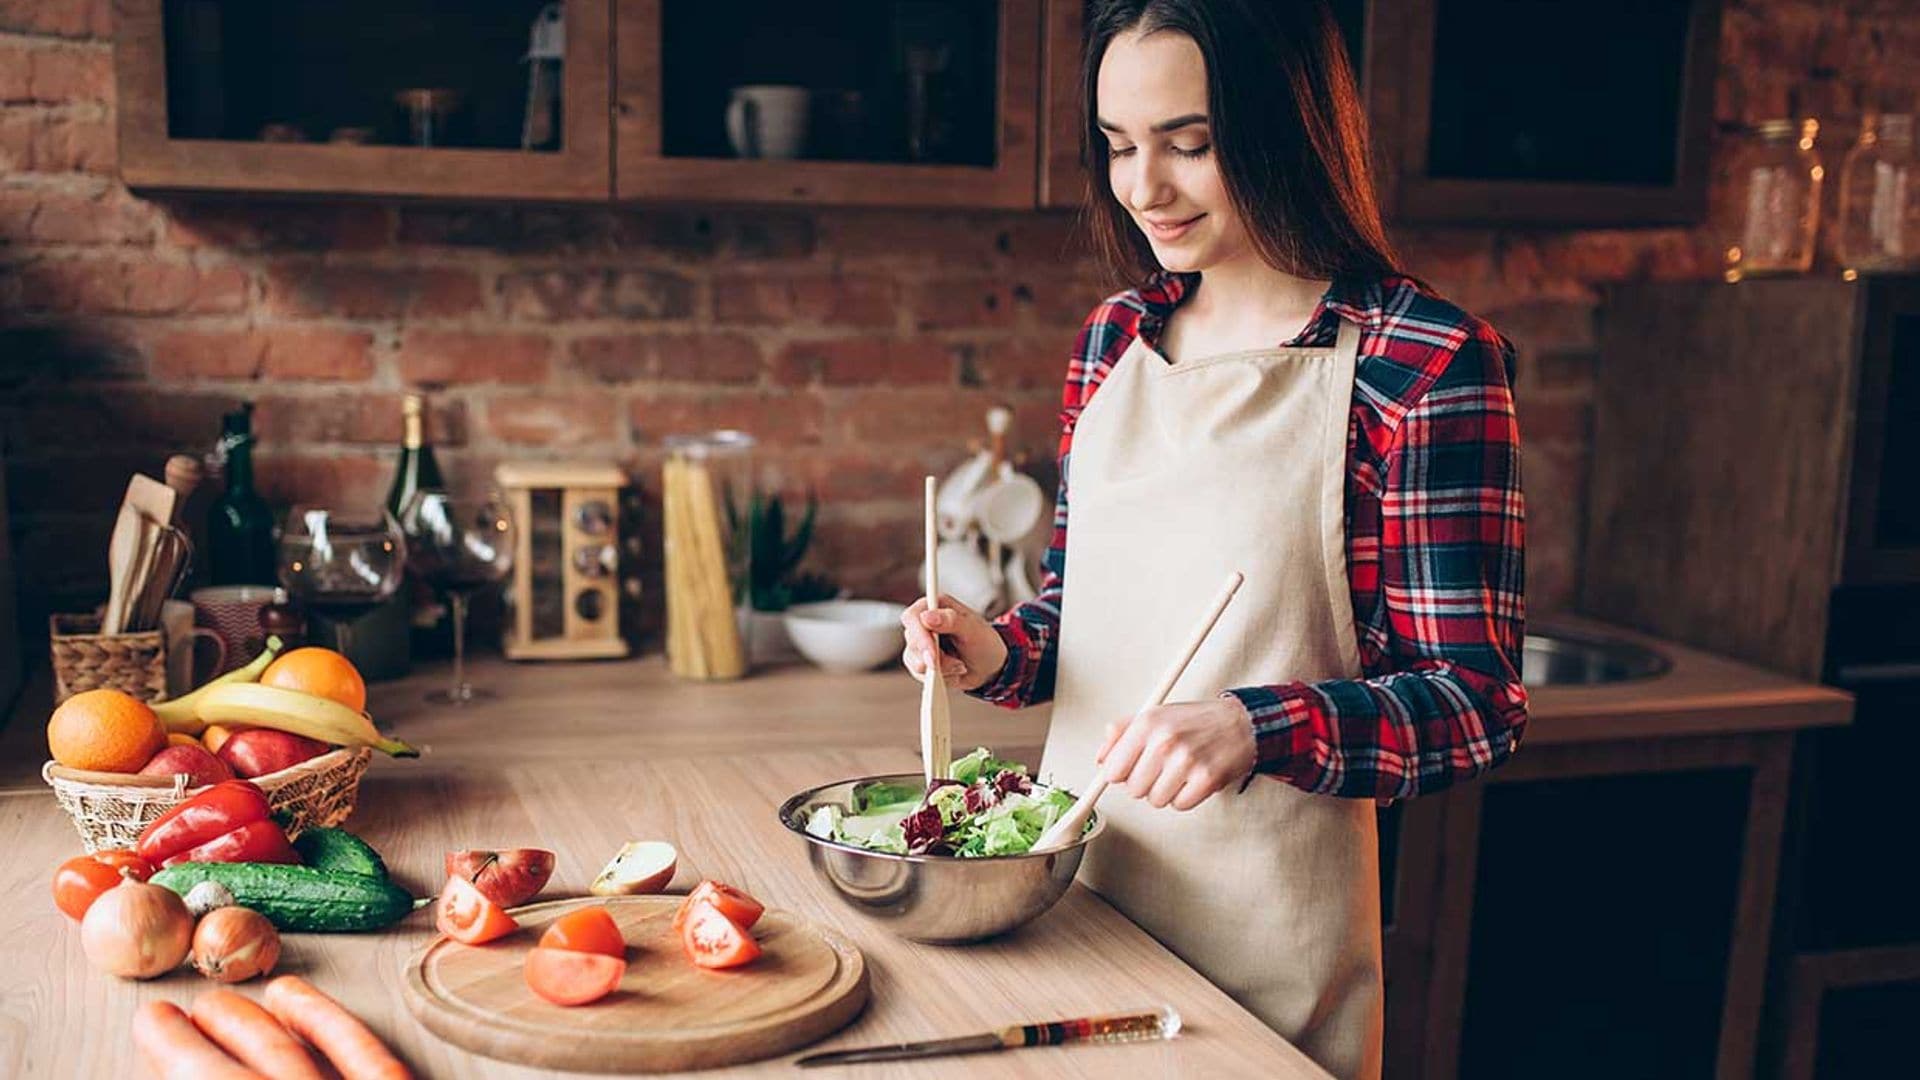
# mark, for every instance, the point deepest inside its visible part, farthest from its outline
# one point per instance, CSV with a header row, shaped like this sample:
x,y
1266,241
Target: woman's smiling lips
x,y
1170,230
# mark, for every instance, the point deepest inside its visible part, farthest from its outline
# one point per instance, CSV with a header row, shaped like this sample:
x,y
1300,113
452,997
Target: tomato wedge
x,y
465,915
590,930
712,940
731,902
566,977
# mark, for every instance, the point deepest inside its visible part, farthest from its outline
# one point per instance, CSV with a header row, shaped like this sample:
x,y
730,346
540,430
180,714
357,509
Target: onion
x,y
233,944
136,931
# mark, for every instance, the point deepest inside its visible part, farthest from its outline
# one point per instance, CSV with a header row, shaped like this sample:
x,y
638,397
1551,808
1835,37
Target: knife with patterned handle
x,y
1161,1023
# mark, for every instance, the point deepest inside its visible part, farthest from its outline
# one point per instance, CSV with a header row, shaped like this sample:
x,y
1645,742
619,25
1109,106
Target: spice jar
x,y
706,487
1880,199
1777,179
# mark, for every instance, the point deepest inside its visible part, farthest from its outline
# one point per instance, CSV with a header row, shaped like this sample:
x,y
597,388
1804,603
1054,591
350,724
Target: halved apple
x,y
641,866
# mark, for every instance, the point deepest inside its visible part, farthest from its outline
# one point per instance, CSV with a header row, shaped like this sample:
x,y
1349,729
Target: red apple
x,y
258,751
201,767
509,877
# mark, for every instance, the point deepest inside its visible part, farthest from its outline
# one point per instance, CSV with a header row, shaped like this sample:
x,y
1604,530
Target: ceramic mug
x,y
232,612
184,671
1011,509
768,121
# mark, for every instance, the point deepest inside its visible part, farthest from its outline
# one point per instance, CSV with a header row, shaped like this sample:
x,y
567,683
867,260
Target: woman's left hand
x,y
1179,755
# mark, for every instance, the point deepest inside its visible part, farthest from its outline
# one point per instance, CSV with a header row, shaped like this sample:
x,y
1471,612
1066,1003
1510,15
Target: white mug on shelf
x,y
768,121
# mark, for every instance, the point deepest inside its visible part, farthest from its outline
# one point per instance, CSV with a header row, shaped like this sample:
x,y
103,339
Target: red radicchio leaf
x,y
922,829
1011,782
981,796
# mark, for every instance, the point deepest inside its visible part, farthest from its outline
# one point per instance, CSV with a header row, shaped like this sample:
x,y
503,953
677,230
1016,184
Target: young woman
x,y
1274,397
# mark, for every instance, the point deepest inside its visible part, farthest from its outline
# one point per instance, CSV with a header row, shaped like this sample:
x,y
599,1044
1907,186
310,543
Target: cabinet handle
x,y
1867,674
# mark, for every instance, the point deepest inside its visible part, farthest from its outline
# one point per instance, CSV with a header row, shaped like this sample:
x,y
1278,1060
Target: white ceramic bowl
x,y
846,636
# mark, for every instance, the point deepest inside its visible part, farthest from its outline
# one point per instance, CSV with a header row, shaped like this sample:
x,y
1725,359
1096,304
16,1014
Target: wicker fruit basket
x,y
110,809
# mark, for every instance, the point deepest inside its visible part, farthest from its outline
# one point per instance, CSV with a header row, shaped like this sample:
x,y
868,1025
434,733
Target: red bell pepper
x,y
228,822
256,841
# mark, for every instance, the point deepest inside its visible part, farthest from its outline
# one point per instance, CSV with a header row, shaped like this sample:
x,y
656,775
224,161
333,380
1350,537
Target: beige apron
x,y
1178,475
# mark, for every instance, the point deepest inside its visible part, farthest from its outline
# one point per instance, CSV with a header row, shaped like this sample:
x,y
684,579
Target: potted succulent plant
x,y
774,580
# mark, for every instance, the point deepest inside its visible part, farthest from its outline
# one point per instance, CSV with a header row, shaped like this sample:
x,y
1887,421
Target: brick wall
x,y
861,346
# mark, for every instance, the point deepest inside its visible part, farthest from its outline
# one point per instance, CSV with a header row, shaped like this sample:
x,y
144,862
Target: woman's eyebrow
x,y
1160,128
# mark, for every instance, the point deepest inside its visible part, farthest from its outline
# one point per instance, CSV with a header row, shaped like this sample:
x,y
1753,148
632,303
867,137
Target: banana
x,y
179,713
253,705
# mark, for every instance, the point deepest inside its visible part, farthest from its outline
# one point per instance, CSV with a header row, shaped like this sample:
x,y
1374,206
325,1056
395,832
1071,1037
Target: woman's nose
x,y
1145,184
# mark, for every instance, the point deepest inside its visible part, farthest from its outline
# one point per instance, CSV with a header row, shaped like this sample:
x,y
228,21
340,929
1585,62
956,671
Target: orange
x,y
105,730
320,672
175,738
214,737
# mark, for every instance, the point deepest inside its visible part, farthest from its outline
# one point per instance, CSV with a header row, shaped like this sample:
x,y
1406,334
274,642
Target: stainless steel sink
x,y
1557,658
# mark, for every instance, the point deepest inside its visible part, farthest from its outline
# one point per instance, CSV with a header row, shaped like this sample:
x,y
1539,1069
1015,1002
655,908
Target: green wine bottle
x,y
239,524
417,471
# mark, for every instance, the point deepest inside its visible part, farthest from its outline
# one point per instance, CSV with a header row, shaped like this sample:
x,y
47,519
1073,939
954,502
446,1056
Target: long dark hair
x,y
1287,127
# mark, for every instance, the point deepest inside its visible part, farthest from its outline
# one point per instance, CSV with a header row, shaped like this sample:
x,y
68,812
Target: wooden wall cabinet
x,y
645,87
1501,112
196,80
1482,114
669,110
1479,112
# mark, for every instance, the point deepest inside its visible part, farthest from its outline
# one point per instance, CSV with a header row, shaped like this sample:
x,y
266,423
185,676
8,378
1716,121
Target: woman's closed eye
x,y
1200,151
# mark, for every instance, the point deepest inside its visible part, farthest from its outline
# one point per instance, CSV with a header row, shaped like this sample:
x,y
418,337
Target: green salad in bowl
x,y
984,807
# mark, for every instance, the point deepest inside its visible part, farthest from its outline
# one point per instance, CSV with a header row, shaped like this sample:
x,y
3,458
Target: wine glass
x,y
460,545
341,563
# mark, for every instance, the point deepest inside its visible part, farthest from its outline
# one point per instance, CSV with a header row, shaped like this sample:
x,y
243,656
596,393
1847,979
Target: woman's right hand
x,y
971,651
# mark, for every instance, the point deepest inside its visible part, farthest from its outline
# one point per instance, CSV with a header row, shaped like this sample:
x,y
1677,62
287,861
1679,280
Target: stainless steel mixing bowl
x,y
938,899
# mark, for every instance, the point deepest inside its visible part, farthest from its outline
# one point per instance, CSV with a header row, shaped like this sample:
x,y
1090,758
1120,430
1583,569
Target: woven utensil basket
x,y
86,659
110,809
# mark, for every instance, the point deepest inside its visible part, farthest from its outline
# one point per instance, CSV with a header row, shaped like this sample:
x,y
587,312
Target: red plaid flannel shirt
x,y
1435,546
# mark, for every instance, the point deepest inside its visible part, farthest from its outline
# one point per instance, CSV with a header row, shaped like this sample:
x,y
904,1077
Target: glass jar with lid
x,y
1776,188
706,488
1880,198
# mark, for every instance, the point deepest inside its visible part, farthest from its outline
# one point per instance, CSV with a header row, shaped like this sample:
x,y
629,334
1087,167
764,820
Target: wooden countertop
x,y
1701,694
582,756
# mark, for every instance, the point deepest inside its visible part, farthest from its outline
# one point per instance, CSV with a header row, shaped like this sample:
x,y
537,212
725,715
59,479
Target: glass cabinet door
x,y
873,102
486,98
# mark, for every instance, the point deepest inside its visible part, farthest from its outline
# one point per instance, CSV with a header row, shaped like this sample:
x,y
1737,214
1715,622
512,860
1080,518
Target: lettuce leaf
x,y
981,764
988,807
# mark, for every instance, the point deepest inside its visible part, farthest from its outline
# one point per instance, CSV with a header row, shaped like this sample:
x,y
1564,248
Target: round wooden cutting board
x,y
667,1014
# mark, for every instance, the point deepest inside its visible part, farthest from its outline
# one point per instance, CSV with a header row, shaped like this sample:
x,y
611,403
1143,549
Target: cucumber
x,y
299,898
339,851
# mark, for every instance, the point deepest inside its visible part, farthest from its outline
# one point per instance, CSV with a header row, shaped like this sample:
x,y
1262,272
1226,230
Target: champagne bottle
x,y
417,471
239,524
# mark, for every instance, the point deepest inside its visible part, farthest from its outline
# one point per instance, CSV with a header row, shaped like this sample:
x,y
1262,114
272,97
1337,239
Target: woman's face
x,y
1152,95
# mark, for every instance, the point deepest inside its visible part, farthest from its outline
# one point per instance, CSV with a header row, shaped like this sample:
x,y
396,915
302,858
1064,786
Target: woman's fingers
x,y
922,645
1171,782
1192,793
1123,754
918,639
1146,771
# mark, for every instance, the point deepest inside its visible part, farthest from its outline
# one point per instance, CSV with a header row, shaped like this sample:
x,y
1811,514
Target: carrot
x,y
354,1050
175,1049
251,1034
